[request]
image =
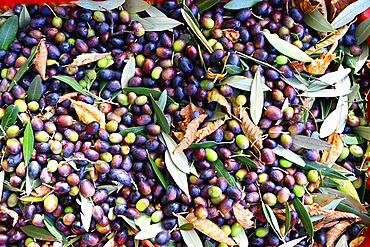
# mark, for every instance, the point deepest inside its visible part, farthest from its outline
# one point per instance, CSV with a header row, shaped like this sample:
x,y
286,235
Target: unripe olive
x,y
356,150
298,190
236,229
211,155
242,141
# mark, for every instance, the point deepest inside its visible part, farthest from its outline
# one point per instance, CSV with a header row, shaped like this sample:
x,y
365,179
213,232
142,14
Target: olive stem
x,y
111,26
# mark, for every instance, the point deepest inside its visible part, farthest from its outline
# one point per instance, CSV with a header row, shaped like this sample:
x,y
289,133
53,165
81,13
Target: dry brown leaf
x,y
250,130
335,231
357,241
48,113
315,244
328,40
299,66
313,209
243,216
67,96
307,6
317,225
329,156
88,113
87,58
186,113
210,229
42,190
215,76
190,133
211,127
336,6
40,59
11,213
319,66
111,243
215,95
178,135
231,34
93,174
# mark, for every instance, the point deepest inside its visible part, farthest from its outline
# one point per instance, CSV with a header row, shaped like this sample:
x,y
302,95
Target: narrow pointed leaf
x,y
318,22
242,239
94,5
162,120
256,98
8,31
146,24
357,62
135,130
233,69
162,23
161,103
178,176
241,4
363,132
190,237
362,31
54,231
2,177
289,155
154,12
353,139
286,48
73,83
28,143
158,172
10,116
310,142
38,233
35,89
179,158
350,12
287,218
147,92
347,199
218,166
245,160
324,169
24,17
304,217
271,219
128,72
135,6
292,243
205,4
365,219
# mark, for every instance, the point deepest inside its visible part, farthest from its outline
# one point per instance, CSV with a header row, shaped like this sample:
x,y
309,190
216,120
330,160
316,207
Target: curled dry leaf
x,y
211,127
243,216
251,131
93,174
307,6
231,34
87,58
210,229
40,59
319,66
317,225
186,113
215,95
215,76
335,7
111,243
88,113
357,241
329,156
313,210
48,113
67,96
178,135
190,133
11,213
41,190
328,40
335,231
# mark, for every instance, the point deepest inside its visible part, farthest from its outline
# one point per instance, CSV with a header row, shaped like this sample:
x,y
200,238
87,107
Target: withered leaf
x,y
313,209
215,95
86,58
206,131
111,243
231,34
67,96
40,59
210,229
335,7
178,135
357,241
216,76
334,215
88,113
307,6
319,66
9,212
48,113
335,231
329,156
328,40
252,131
242,216
41,190
190,133
93,174
186,113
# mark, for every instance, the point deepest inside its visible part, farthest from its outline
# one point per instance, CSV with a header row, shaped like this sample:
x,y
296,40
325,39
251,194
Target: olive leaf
x,y
347,199
353,139
350,12
53,230
362,31
330,123
324,169
221,171
310,143
162,120
147,92
289,155
128,72
178,176
245,160
24,17
86,211
286,48
328,79
38,233
292,243
318,22
256,98
2,177
161,23
73,83
146,24
95,5
241,4
287,218
365,219
135,6
161,103
205,4
135,130
241,82
154,12
242,239
10,116
179,159
190,237
157,171
8,31
271,219
304,217
357,62
35,89
28,143
233,69
207,144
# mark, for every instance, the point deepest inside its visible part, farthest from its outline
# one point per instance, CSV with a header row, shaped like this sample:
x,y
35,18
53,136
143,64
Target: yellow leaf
x,y
215,95
329,156
242,216
88,113
210,229
357,241
40,59
319,66
211,75
87,58
328,40
347,187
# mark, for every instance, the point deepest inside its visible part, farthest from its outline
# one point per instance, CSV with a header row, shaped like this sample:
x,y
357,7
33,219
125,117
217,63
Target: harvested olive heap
x,y
192,124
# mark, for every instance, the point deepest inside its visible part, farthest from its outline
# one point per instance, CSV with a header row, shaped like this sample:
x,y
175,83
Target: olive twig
x,y
111,25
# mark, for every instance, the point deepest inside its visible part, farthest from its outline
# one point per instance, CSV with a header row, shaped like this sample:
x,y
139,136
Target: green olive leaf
x,y
135,6
240,82
207,144
130,222
365,219
242,239
205,4
179,159
147,92
28,143
304,217
38,233
35,89
190,237
135,130
161,103
72,240
233,69
357,62
256,98
310,142
53,230
95,5
162,120
362,31
287,218
317,21
324,170
289,155
2,177
271,219
161,23
207,243
73,83
245,160
241,4
146,24
157,171
128,72
353,139
287,48
154,12
221,171
8,31
350,12
24,17
10,116
178,176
